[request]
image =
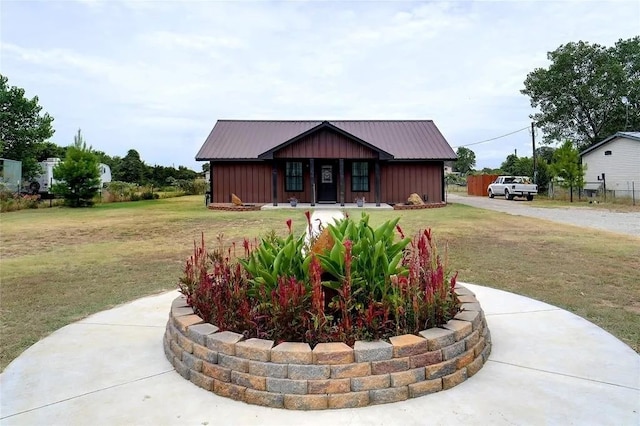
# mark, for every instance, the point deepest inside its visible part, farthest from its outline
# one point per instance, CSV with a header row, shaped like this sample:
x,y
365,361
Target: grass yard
x,y
60,265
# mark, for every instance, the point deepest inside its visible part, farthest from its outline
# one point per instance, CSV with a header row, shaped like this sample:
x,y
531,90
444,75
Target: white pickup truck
x,y
513,186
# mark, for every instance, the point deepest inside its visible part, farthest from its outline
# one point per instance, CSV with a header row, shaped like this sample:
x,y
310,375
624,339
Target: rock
x,y
415,200
237,201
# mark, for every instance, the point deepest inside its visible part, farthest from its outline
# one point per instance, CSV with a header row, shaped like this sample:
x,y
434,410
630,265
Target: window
x,y
293,178
359,176
607,153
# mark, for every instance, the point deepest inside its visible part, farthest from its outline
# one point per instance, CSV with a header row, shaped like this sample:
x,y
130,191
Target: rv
x,y
42,184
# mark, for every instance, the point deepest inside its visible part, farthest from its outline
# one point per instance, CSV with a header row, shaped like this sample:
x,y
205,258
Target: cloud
x,y
144,75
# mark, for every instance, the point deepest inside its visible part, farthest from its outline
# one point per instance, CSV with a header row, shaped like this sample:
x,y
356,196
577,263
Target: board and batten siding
x,y
325,144
621,168
401,179
251,181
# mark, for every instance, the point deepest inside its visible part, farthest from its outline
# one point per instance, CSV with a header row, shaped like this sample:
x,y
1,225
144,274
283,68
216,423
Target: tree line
x,y
25,132
562,162
588,93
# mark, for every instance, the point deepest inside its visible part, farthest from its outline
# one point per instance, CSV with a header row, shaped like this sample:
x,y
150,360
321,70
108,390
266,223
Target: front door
x,y
327,182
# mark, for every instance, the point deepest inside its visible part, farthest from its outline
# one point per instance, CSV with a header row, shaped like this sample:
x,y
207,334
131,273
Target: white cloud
x,y
154,76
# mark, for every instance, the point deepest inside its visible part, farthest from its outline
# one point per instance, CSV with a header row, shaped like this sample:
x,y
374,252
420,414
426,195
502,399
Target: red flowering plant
x,y
365,284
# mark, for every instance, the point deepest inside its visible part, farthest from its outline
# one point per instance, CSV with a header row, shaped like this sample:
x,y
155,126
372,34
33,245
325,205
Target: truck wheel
x,y
491,194
34,187
506,194
529,197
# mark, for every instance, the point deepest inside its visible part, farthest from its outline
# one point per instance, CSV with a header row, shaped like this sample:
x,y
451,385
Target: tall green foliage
x,y
78,176
466,160
568,167
588,93
22,127
131,169
517,166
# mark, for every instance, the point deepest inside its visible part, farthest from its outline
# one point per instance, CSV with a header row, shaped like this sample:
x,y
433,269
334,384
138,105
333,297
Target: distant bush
x,y
120,191
10,202
148,195
192,187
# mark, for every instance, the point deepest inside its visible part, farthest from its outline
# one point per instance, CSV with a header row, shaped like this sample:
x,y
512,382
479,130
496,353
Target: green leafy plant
x,y
364,285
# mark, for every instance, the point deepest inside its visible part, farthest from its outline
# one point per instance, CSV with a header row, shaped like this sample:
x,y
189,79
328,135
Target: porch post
x,y
377,178
341,180
274,184
211,181
443,184
312,177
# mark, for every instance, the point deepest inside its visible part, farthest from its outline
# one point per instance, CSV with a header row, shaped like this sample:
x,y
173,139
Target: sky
x,y
155,76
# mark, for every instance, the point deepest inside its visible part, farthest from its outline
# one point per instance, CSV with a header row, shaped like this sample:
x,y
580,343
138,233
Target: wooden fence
x,y
477,184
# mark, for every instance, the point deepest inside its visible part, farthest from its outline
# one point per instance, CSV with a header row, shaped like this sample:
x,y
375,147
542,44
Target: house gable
x,y
325,141
618,158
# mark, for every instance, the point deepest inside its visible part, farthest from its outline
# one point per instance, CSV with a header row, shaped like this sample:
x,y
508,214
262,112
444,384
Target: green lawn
x,y
59,265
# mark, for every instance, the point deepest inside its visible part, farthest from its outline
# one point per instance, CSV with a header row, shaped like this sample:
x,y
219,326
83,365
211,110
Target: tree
x,y
546,153
78,175
466,160
517,166
22,127
588,93
46,150
132,169
543,175
568,167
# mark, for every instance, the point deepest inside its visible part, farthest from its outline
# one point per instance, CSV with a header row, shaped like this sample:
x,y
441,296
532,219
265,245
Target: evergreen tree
x,y
78,175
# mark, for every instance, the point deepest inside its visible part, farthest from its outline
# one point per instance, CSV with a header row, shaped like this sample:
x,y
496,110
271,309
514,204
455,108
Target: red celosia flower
x,y
400,231
247,250
289,224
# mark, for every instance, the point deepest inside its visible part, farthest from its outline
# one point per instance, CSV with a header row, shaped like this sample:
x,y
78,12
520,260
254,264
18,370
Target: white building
x,y
615,162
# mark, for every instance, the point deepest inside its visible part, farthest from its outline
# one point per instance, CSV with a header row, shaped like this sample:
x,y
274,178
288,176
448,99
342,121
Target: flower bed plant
x,y
351,282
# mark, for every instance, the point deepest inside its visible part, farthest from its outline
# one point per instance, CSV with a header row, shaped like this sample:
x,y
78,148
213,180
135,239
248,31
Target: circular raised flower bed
x,y
294,376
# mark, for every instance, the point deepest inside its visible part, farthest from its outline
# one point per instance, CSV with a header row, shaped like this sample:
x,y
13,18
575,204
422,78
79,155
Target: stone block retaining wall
x,y
418,207
332,375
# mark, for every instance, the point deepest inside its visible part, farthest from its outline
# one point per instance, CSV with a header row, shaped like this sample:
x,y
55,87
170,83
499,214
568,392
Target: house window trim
x,y
354,176
290,178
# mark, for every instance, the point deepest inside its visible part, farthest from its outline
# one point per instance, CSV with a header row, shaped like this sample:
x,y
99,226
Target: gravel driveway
x,y
621,223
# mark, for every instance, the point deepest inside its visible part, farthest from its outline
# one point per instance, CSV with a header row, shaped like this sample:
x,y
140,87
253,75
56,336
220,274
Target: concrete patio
x,y
547,366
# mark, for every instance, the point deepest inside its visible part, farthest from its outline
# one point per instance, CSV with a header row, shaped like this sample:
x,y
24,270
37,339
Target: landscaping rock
x,y
415,200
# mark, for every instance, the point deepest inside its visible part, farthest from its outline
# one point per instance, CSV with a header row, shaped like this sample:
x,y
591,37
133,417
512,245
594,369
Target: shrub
x,y
148,195
192,187
353,282
14,201
120,191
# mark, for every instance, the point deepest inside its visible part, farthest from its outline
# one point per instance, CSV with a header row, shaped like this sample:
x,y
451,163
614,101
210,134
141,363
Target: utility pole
x,y
533,142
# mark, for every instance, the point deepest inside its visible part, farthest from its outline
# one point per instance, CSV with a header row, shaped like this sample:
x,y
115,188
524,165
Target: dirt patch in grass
x,y
60,265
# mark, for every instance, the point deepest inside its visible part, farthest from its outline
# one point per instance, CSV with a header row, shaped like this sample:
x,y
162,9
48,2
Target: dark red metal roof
x,y
402,139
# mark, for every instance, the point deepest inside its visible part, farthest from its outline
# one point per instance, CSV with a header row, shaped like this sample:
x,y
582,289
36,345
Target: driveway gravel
x,y
621,223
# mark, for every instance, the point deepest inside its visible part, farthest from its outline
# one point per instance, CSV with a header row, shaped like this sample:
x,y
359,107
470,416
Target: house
x,y
335,161
614,164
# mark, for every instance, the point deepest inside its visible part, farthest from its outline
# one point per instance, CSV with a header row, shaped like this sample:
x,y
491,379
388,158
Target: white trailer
x,y
42,184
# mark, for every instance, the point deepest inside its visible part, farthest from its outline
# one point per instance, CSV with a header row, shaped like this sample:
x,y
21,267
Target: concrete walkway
x,y
547,366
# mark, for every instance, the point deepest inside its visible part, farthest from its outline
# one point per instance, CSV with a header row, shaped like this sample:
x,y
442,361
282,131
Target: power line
x,y
492,139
